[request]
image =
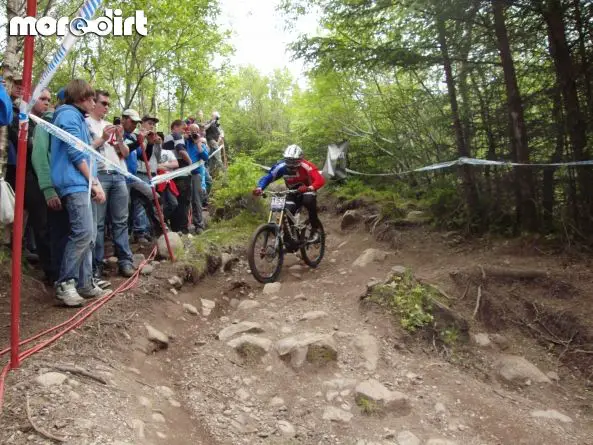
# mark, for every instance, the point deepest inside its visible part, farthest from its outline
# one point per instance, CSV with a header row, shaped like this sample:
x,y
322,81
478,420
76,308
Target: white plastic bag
x,y
6,202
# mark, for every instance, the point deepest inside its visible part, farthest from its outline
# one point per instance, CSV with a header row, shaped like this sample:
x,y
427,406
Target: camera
x,y
116,121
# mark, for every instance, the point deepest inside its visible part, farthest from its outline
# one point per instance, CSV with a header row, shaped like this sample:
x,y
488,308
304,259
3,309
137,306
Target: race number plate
x,y
277,203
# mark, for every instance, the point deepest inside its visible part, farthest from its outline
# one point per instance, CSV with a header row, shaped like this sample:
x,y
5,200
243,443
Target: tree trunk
x,y
577,127
464,72
548,188
524,190
585,67
465,171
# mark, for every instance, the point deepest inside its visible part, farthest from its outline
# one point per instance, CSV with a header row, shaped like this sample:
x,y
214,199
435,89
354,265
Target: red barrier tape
x,y
70,324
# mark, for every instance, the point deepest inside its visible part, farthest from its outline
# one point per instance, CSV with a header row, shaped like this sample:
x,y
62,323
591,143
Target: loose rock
x,y
251,346
350,219
51,379
207,307
174,240
371,396
147,269
190,308
277,402
516,369
158,417
370,256
440,442
176,282
239,328
551,414
334,414
137,259
272,288
165,391
286,428
246,305
314,315
315,348
407,438
227,261
482,340
368,347
156,336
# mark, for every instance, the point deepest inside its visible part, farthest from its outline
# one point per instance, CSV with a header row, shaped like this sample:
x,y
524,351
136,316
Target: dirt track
x,y
201,391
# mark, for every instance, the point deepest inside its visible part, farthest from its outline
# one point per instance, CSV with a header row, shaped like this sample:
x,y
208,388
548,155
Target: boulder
x,y
251,346
314,348
350,219
174,240
516,369
371,396
370,256
239,328
137,259
227,261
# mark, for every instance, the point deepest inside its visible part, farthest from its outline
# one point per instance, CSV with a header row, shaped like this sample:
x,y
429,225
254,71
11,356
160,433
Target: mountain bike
x,y
283,233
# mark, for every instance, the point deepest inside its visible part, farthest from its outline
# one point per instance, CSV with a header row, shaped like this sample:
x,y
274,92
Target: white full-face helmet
x,y
293,155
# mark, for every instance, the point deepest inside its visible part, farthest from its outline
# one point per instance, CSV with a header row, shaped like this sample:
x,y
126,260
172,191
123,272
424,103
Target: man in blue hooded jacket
x,y
72,173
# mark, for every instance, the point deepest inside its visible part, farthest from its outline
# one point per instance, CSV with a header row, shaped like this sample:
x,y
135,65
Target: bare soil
x,y
201,391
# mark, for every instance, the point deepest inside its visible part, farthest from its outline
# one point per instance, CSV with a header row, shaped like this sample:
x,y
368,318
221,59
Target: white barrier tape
x,y
86,12
262,166
180,171
474,161
81,146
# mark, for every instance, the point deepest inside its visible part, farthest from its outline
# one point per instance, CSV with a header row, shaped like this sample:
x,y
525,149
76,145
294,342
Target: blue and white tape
x,y
81,146
180,171
86,11
474,161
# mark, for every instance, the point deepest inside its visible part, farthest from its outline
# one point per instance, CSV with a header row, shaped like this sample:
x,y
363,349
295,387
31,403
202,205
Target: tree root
x,y
78,371
38,429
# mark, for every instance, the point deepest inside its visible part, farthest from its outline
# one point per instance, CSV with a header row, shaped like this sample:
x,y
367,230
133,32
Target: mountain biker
x,y
300,175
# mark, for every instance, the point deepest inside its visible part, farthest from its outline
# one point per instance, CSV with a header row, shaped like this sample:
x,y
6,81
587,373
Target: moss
x,y
367,406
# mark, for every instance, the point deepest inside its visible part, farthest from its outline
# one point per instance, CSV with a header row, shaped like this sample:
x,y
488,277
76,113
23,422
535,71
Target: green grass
x,y
407,299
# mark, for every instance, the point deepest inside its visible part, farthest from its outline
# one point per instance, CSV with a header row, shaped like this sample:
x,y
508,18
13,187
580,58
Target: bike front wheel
x,y
312,251
265,254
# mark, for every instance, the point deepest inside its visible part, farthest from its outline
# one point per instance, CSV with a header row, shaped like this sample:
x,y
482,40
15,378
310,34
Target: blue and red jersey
x,y
307,174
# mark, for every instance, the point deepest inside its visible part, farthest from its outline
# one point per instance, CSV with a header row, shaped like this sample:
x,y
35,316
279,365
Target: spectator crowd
x,y
75,202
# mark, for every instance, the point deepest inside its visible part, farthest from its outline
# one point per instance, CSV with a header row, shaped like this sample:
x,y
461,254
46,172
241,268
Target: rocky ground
x,y
301,361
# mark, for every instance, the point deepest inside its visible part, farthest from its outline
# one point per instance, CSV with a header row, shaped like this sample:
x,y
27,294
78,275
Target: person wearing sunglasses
x,y
115,188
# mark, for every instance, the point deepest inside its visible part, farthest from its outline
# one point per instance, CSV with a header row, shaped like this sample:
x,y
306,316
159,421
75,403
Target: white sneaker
x,y
103,284
67,294
92,292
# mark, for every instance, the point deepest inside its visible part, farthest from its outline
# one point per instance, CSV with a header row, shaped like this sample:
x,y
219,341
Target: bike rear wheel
x,y
265,255
312,253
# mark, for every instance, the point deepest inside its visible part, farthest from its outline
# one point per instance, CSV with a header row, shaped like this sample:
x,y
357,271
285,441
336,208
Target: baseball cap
x,y
61,94
132,114
148,117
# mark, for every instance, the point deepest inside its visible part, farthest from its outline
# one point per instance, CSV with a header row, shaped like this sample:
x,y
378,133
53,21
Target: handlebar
x,y
281,193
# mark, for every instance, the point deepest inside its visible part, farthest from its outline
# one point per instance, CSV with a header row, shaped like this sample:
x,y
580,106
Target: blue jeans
x,y
116,194
77,262
140,222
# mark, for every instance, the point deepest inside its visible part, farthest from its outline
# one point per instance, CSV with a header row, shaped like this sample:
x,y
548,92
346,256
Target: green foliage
x,y
233,189
450,336
407,299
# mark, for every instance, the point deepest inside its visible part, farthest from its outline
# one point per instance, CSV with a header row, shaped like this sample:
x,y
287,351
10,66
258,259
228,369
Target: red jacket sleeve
x,y
317,179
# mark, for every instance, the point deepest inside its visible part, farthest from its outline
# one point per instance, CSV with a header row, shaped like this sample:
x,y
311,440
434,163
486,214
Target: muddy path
x,y
305,362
